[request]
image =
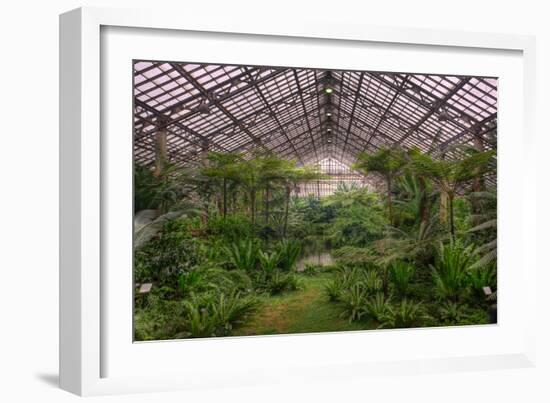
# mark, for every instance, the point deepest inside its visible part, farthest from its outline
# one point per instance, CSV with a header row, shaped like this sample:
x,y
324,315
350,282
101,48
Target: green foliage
x,y
406,314
280,282
354,302
480,277
243,255
268,261
230,310
378,307
230,229
450,313
450,273
354,256
288,252
372,281
188,280
401,274
175,250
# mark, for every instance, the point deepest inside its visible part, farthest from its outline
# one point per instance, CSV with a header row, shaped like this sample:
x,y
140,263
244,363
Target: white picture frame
x,y
83,162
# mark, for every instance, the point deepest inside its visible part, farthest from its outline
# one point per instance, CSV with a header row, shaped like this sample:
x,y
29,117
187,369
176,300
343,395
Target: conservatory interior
x,y
277,200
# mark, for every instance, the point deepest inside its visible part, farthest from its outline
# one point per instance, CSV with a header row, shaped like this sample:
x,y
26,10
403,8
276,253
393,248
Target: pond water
x,y
317,253
318,259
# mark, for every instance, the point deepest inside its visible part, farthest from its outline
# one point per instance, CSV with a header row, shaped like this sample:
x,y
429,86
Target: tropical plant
x,y
230,310
486,224
223,167
387,162
450,312
378,306
288,252
406,314
243,254
449,174
333,289
188,280
372,281
450,273
480,277
199,321
401,274
354,302
268,261
279,282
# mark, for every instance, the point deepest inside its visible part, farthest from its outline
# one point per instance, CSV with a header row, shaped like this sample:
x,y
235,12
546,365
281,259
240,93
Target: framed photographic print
x,y
238,205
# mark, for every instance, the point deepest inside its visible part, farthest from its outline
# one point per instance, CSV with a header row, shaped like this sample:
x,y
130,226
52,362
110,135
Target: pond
x,y
317,254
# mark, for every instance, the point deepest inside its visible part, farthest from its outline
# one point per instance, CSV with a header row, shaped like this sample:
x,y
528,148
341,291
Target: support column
x,y
160,149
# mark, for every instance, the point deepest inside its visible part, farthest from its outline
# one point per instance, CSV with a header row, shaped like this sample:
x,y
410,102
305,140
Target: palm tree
x,y
450,174
388,162
248,174
222,166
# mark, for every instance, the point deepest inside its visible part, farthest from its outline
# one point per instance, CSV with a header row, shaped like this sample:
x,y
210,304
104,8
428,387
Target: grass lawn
x,y
304,311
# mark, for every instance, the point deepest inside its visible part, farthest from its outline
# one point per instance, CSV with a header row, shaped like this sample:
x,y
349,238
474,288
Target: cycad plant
x,y
288,252
450,273
354,302
230,310
377,307
401,274
406,314
243,254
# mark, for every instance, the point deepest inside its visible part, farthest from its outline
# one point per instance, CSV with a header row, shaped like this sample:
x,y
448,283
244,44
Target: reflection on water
x,y
318,259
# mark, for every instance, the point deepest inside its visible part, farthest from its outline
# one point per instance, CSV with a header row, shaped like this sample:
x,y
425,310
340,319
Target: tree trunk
x,y
451,216
390,207
287,202
253,207
224,197
443,207
266,209
424,206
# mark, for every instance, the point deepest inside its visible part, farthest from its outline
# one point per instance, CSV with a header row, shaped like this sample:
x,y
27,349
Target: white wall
x,y
29,202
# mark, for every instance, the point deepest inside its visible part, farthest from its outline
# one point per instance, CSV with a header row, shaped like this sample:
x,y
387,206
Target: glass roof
x,y
306,114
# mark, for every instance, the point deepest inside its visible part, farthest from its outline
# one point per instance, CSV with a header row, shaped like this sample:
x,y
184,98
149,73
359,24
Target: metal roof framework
x,y
290,112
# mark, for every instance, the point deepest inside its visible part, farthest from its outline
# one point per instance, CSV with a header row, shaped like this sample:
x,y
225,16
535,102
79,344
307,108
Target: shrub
x,y
378,307
280,282
188,280
173,251
288,251
242,255
268,261
372,281
231,228
199,322
401,274
333,289
450,273
481,277
354,301
310,269
406,314
450,313
230,310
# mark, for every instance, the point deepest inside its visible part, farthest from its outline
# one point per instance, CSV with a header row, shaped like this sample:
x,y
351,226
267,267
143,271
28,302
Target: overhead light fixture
x,y
204,108
329,114
328,90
